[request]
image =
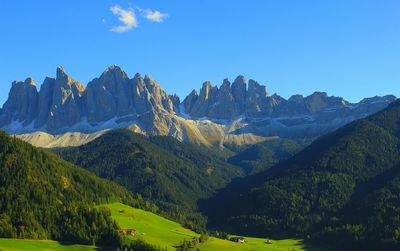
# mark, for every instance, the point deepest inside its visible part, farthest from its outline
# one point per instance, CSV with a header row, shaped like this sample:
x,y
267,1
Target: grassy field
x,y
158,231
165,233
150,227
33,245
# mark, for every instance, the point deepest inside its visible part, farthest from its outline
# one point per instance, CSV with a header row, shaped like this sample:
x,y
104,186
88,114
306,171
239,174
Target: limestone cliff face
x,y
66,107
240,112
64,104
228,101
250,99
45,102
22,102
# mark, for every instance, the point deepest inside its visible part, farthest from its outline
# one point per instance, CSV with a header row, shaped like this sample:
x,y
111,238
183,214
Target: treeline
x,y
193,243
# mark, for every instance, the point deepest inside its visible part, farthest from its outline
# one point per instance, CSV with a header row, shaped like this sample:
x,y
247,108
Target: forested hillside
x,y
44,197
343,189
171,174
261,156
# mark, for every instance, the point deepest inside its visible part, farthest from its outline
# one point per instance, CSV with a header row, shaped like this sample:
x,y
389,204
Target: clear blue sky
x,y
346,48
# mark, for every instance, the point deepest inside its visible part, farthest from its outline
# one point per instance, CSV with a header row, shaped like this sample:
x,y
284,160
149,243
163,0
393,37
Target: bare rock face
x,y
228,101
239,89
45,102
240,111
175,102
225,106
159,100
148,96
206,98
189,101
108,96
22,101
66,107
256,99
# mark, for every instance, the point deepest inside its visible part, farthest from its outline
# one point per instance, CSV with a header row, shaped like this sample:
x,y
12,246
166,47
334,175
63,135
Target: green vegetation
x,y
163,170
150,227
44,197
39,245
262,156
343,190
165,233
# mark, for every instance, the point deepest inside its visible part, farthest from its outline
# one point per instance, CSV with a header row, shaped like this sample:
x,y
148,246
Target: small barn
x,y
237,239
131,232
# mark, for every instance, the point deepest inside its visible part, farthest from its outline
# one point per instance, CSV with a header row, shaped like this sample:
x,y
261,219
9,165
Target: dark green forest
x,y
343,190
44,197
171,174
262,156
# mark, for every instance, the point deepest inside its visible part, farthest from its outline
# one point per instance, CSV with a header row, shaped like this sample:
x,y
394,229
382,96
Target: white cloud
x,y
127,17
153,15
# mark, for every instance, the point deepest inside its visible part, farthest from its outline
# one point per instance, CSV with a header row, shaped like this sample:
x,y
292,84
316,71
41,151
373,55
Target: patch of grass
x,y
255,244
33,245
150,227
164,233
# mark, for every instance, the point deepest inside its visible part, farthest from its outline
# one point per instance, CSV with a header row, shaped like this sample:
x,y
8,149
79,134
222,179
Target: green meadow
x,y
164,233
160,232
33,245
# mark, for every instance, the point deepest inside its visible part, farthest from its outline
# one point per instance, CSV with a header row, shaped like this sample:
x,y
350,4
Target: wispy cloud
x,y
126,16
153,15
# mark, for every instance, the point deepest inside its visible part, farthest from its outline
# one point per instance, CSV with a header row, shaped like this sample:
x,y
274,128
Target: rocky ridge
x,y
239,113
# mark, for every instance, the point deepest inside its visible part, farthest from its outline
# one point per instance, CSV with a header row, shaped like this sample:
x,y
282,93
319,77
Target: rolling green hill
x,y
163,170
343,189
168,234
44,197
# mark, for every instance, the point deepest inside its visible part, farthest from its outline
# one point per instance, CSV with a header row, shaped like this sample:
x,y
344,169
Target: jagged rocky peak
x,y
175,101
377,99
22,101
189,101
159,99
64,80
115,95
319,101
45,101
108,96
227,101
64,102
115,100
257,89
66,108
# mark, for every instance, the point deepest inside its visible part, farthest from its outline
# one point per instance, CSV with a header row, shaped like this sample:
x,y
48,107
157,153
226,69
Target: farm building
x,y
237,239
131,232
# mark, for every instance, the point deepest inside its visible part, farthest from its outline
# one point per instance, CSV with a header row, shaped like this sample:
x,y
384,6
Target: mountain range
x,y
66,113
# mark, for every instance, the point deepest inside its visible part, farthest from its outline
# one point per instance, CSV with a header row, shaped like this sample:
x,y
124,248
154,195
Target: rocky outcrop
x,y
108,96
63,104
66,108
176,102
22,102
240,112
251,100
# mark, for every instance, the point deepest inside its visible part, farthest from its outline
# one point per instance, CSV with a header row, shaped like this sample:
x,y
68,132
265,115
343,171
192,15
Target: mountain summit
x,y
241,112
